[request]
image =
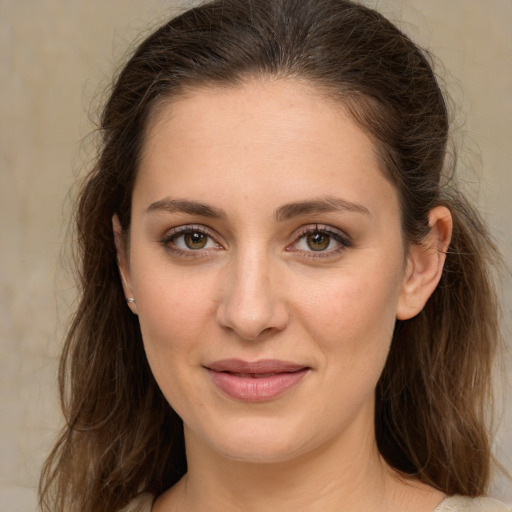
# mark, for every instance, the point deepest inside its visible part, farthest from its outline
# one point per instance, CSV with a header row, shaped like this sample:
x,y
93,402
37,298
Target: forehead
x,y
259,135
274,111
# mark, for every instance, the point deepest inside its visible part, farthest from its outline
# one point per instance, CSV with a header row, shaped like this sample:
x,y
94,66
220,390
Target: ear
x,y
425,264
122,262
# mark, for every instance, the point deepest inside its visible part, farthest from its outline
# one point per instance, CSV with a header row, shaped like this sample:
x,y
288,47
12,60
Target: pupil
x,y
195,240
318,241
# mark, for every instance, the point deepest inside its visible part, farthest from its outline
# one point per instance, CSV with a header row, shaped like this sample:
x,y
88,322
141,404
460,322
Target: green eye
x,y
318,241
195,240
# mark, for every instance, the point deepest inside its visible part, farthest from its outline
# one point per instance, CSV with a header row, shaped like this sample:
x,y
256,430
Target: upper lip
x,y
255,367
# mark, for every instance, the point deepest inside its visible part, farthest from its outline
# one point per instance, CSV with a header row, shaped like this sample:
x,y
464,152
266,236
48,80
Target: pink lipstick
x,y
255,381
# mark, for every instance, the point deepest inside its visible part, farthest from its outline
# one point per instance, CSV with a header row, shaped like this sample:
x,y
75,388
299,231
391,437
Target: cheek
x,y
175,314
171,318
172,325
352,315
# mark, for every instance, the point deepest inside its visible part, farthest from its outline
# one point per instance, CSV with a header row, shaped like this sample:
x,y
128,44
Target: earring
x,y
130,299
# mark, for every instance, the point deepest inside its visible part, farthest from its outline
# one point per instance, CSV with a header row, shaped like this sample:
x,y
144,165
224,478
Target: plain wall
x,y
56,57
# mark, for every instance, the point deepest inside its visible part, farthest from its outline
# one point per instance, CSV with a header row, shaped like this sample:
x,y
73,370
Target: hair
x,y
121,437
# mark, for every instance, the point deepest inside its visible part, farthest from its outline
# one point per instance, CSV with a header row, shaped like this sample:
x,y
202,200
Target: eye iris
x,y
318,241
195,240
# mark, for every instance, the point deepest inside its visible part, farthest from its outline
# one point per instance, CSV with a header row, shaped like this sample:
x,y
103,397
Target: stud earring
x,y
130,299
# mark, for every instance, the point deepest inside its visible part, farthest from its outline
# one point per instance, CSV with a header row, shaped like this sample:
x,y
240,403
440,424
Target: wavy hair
x,y
121,437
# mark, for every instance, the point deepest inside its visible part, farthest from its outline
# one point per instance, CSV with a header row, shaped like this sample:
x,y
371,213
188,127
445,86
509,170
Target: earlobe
x,y
122,263
425,264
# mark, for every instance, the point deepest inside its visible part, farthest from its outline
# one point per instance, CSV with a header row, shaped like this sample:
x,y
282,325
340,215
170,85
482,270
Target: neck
x,y
309,482
345,474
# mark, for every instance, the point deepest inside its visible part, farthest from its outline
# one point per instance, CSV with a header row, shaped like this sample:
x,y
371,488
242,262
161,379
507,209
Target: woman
x,y
278,307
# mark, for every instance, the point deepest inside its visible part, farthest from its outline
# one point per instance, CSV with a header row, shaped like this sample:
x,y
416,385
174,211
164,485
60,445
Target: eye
x,y
317,241
323,240
193,240
186,239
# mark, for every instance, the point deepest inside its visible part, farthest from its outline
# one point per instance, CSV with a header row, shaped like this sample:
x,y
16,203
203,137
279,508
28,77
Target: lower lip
x,y
256,389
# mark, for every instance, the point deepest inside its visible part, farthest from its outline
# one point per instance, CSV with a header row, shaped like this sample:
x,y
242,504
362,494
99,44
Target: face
x,y
267,263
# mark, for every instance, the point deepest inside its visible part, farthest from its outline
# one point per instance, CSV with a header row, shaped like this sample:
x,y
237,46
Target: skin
x,y
257,290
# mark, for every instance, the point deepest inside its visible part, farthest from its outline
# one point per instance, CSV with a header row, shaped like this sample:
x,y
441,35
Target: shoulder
x,y
466,504
141,503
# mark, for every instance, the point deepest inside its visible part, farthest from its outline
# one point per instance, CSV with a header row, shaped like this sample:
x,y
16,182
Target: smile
x,y
255,381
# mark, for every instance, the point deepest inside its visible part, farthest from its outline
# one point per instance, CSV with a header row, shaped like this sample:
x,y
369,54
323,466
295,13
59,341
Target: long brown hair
x,y
121,437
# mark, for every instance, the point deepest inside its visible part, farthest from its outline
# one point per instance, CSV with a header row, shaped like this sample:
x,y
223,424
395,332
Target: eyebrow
x,y
286,212
322,205
186,206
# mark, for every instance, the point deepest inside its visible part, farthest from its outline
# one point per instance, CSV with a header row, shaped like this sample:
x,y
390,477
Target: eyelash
x,y
171,236
342,239
168,241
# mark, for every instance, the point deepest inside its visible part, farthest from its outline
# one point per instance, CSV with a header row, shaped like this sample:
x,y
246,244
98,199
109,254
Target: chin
x,y
258,442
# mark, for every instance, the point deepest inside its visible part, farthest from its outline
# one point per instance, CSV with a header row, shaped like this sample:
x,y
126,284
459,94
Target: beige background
x,y
56,57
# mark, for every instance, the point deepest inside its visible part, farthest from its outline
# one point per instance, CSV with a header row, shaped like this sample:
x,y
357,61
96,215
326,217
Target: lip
x,y
255,381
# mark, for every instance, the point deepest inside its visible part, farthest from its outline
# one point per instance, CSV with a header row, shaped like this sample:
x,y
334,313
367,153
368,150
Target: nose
x,y
252,302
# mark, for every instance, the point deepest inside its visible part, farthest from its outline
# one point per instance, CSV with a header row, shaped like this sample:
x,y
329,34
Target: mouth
x,y
256,381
